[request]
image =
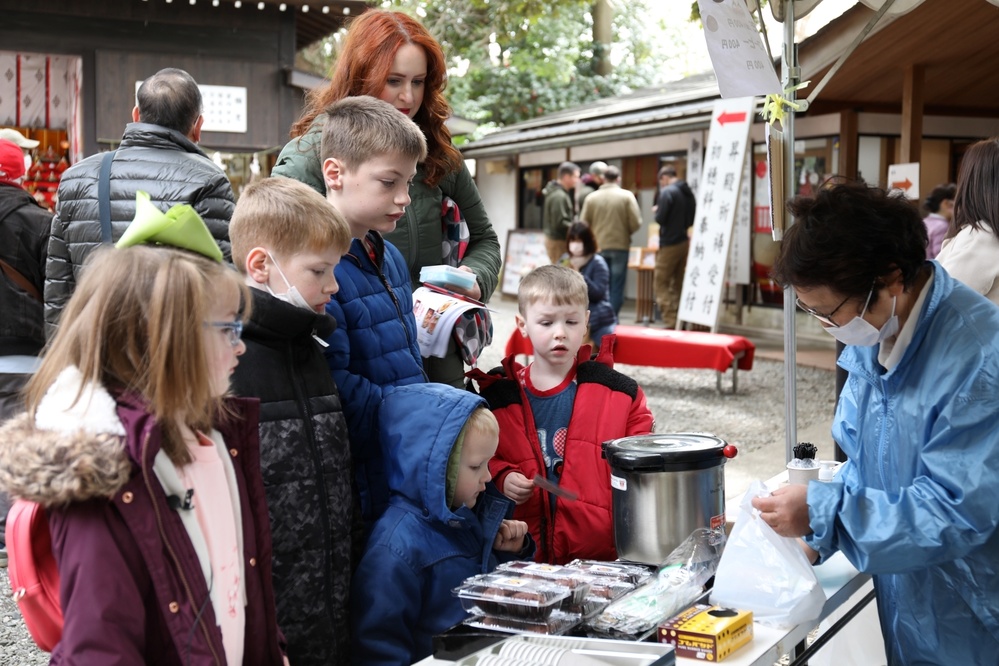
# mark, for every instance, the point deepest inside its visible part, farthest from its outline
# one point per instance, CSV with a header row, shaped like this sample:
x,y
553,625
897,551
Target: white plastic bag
x,y
766,573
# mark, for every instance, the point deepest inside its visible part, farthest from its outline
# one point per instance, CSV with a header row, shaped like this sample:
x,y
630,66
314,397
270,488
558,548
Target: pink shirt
x,y
213,508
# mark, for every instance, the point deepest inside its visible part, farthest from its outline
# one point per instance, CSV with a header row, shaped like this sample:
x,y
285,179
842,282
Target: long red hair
x,y
362,68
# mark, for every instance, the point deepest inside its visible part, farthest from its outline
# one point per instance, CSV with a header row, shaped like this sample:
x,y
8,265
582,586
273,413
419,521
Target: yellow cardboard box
x,y
709,633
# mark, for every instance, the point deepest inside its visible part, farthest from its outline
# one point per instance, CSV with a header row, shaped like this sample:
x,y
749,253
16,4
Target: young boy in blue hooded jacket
x,y
443,523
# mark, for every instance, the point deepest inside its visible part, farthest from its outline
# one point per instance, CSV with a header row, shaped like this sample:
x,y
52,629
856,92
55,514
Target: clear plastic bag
x,y
680,581
766,573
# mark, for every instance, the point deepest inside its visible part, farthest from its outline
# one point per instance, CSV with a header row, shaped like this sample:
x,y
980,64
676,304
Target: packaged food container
x,y
555,624
609,588
588,607
634,573
501,594
446,276
571,580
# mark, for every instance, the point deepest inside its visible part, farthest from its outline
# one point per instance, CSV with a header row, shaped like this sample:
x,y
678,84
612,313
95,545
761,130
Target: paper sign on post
x,y
704,276
738,55
904,177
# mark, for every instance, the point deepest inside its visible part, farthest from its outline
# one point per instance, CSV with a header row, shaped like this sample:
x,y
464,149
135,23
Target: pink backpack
x,y
34,577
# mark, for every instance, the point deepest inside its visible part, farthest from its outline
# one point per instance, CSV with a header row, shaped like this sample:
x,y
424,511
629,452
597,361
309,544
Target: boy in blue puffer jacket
x,y
369,154
443,523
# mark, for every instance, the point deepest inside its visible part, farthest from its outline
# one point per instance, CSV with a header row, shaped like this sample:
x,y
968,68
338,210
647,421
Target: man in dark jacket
x,y
24,233
159,155
559,210
675,215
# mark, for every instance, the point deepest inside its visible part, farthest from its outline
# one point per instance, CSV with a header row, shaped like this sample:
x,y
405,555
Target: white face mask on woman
x,y
291,296
861,333
576,249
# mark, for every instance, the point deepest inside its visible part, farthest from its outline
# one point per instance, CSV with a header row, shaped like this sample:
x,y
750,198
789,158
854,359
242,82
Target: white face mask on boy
x,y
291,296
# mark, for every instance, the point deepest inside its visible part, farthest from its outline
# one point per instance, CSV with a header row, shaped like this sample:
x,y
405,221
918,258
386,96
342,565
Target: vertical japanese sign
x,y
738,257
695,160
717,198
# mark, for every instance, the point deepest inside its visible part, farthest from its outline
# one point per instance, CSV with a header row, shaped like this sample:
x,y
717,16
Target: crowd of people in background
x,y
245,458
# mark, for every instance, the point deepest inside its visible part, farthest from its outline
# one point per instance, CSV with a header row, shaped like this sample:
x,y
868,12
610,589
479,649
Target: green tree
x,y
513,60
516,60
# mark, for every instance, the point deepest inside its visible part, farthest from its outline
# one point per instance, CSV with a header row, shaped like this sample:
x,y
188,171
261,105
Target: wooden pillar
x,y
912,113
848,144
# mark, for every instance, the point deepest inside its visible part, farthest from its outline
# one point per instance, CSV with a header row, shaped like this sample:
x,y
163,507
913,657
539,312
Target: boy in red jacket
x,y
554,415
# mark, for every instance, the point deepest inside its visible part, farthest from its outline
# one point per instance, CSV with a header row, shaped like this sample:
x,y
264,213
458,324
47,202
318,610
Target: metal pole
x,y
790,75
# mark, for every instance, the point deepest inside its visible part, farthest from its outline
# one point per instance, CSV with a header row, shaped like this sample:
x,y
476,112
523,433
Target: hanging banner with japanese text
x,y
738,55
739,262
717,199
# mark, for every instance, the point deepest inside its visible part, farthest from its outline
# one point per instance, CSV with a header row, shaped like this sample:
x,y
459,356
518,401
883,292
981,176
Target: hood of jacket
x,y
552,186
13,197
71,452
683,187
276,320
419,426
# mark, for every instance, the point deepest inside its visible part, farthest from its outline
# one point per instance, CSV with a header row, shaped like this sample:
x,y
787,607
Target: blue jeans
x,y
617,262
598,335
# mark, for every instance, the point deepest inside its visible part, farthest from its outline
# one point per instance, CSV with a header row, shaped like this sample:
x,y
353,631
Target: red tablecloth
x,y
665,348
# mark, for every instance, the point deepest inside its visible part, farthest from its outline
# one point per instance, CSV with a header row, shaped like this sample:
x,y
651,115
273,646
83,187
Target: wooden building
x,y
86,59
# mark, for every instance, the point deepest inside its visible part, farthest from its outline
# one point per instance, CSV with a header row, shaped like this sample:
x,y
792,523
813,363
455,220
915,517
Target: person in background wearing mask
x,y
915,505
940,212
24,143
24,236
583,257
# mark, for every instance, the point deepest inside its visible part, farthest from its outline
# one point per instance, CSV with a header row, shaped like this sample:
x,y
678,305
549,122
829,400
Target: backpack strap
x,y
18,278
104,196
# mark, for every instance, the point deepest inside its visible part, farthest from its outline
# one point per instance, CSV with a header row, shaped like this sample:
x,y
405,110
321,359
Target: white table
x,y
839,580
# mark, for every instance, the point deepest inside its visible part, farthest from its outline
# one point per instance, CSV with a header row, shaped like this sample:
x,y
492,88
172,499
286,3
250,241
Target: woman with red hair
x,y
391,56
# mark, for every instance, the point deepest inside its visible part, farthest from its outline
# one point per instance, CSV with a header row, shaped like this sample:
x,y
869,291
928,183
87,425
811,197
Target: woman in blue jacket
x,y
917,503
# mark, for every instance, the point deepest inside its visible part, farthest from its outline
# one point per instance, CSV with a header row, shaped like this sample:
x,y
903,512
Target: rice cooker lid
x,y
673,452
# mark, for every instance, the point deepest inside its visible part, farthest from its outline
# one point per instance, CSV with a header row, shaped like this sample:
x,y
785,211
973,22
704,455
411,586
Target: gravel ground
x,y
682,400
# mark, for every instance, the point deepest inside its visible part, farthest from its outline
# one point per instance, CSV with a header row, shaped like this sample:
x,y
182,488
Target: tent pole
x,y
790,76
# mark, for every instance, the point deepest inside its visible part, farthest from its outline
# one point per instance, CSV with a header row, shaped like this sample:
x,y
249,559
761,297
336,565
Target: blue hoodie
x,y
420,549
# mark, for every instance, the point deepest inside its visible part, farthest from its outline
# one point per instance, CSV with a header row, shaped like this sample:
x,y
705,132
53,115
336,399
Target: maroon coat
x,y
608,405
132,588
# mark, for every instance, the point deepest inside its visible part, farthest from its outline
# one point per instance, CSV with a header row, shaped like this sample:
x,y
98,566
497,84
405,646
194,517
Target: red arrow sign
x,y
726,117
902,184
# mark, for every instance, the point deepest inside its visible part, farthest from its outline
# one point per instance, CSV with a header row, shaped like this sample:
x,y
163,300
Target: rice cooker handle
x,y
634,461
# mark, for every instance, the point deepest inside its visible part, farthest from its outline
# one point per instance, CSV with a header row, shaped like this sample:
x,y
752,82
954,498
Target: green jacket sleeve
x,y
299,159
483,254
